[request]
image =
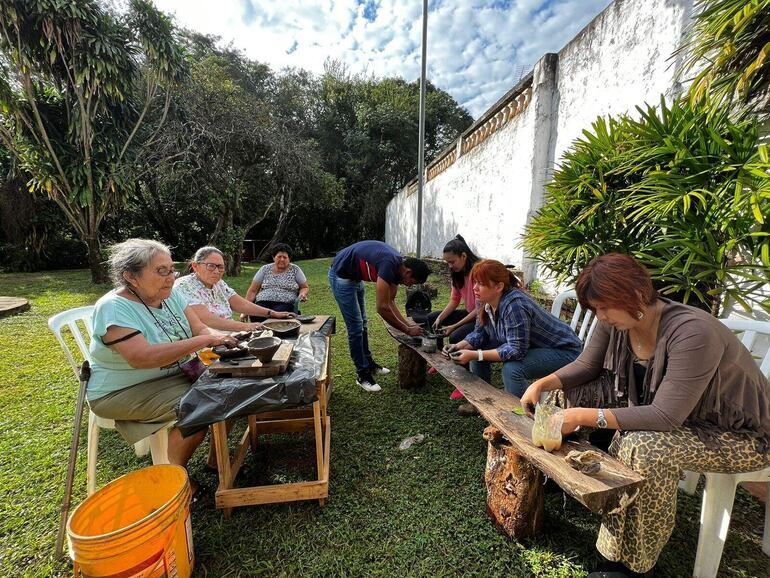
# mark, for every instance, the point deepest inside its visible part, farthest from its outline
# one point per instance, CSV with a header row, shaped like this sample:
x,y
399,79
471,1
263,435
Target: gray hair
x,y
131,256
204,252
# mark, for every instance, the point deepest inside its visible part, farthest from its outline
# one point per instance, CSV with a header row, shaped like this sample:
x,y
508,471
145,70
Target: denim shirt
x,y
520,323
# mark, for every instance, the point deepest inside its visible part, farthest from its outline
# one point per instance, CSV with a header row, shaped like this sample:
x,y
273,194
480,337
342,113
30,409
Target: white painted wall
x,y
621,59
484,196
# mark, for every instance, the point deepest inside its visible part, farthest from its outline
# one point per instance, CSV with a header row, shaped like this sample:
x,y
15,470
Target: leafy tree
x,y
33,232
78,84
683,188
728,47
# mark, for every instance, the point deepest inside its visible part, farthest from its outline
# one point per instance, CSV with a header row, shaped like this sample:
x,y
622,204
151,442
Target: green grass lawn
x,y
390,513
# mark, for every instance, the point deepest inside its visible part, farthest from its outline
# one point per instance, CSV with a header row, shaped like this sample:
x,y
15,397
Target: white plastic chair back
x,y
583,321
752,332
74,319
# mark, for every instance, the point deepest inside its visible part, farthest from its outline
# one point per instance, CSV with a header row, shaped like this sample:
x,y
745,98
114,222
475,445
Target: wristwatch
x,y
270,313
601,421
481,354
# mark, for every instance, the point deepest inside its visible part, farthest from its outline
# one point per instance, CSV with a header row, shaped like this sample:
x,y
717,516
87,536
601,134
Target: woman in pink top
x,y
457,321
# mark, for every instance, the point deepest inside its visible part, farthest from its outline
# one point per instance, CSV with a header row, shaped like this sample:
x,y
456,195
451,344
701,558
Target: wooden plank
x,y
284,414
314,325
254,367
240,456
285,425
272,494
602,492
219,433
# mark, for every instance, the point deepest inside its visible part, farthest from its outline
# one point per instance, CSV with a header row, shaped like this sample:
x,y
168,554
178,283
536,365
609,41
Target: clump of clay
x,y
587,461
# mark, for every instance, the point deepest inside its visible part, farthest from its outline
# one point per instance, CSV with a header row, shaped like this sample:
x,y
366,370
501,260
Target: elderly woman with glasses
x,y
144,339
213,300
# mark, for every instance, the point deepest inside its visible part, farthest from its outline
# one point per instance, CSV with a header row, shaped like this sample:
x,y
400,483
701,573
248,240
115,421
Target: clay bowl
x,y
263,348
306,318
283,327
230,353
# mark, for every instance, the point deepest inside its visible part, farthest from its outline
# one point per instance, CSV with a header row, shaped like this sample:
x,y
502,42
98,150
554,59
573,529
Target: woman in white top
x,y
212,299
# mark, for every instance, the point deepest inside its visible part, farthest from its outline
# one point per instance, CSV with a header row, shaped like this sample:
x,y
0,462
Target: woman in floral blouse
x,y
212,299
279,284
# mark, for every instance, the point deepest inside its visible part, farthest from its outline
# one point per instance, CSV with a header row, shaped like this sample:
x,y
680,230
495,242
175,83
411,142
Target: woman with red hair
x,y
513,329
680,388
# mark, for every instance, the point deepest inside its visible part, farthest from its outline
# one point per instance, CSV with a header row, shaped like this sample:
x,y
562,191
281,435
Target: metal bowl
x,y
264,348
283,327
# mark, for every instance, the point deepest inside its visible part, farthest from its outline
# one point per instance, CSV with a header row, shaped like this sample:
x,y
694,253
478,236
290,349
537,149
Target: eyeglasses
x,y
213,266
165,271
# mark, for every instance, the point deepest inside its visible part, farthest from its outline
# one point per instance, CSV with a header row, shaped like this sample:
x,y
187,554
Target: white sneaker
x,y
368,383
380,370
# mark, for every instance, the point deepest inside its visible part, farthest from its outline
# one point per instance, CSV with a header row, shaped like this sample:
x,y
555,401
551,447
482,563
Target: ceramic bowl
x,y
283,327
264,348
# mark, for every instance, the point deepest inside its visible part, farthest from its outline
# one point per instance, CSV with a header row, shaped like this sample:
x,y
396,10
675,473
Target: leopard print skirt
x,y
636,534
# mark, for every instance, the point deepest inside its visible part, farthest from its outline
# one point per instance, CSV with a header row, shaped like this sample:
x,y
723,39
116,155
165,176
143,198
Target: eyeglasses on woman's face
x,y
165,271
213,266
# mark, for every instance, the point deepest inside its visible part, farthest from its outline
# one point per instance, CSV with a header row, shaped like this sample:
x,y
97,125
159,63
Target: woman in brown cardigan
x,y
684,394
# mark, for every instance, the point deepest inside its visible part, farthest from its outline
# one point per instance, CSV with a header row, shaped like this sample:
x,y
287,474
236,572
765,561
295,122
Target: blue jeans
x,y
538,362
350,298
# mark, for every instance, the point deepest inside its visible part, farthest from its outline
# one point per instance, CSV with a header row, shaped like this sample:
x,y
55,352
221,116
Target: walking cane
x,y
85,374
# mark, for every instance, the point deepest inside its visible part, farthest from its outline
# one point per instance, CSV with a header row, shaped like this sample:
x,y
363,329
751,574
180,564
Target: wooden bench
x,y
515,466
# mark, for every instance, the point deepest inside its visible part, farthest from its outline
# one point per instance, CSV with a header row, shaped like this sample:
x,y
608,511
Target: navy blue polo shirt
x,y
367,260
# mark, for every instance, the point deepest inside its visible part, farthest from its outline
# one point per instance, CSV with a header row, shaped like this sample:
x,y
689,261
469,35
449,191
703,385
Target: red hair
x,y
489,272
615,280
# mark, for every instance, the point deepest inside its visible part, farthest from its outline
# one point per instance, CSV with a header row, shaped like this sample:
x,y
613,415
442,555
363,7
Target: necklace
x,y
637,347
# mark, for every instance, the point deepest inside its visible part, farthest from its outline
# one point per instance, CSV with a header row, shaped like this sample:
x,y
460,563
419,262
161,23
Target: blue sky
x,y
477,49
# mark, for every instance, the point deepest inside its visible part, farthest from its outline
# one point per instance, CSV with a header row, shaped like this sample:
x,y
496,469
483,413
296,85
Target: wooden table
x,y
524,463
312,418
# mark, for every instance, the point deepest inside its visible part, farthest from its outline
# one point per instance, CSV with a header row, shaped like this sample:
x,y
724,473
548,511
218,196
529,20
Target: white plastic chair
x,y
583,322
719,491
156,444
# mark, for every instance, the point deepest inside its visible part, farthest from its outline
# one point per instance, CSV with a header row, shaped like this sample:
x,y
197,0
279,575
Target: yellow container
x,y
137,526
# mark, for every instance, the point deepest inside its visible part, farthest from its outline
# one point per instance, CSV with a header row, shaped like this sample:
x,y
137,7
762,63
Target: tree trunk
x,y
95,263
284,215
515,496
411,368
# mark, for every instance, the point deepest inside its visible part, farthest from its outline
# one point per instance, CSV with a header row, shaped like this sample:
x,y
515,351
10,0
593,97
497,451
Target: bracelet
x,y
270,313
481,355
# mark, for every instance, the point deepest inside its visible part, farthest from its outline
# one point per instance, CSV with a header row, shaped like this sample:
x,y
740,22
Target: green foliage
x,y
728,46
77,84
684,189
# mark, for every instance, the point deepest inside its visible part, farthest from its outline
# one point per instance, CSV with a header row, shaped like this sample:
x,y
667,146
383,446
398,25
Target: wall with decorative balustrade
x,y
489,182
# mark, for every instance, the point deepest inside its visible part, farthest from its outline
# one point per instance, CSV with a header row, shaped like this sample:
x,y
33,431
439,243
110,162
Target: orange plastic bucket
x,y
137,526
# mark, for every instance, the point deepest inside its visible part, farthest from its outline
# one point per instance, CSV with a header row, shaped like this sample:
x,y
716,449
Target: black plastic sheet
x,y
214,398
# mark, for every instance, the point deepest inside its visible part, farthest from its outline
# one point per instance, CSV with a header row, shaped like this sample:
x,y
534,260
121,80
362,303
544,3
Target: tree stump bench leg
x,y
515,495
411,368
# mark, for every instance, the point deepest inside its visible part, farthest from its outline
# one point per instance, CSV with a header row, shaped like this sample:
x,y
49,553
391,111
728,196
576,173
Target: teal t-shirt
x,y
109,370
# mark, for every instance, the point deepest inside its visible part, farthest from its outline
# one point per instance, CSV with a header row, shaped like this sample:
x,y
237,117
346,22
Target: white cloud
x,y
475,47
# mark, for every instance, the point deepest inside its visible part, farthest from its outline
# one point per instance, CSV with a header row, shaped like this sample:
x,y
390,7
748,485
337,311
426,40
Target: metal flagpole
x,y
421,138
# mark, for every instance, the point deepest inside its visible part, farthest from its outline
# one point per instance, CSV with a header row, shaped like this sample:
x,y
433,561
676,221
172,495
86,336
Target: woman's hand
x,y
570,423
464,356
216,338
437,324
281,315
530,399
449,329
254,326
303,296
